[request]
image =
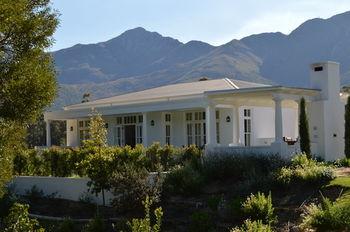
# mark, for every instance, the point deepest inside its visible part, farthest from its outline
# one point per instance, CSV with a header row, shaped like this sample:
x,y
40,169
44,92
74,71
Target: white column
x,y
235,123
144,129
278,119
210,122
48,133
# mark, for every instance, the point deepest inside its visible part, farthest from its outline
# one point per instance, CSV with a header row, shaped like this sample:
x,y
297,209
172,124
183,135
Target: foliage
x,y
131,184
95,225
66,226
97,132
213,202
345,162
99,169
11,134
18,220
184,180
27,74
328,216
259,207
347,129
252,226
304,129
304,170
219,167
36,133
201,221
144,224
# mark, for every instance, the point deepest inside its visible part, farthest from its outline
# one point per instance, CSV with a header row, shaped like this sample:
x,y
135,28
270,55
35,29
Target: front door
x,y
130,136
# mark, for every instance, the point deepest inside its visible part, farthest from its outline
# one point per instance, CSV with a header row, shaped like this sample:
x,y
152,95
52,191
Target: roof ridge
x,y
230,82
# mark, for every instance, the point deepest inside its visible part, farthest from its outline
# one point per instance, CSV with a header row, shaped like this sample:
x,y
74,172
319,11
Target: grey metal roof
x,y
170,91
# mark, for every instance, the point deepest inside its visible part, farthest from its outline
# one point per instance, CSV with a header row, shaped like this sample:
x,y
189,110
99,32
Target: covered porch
x,y
255,120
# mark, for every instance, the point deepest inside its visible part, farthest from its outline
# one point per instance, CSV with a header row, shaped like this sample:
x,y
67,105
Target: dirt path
x,y
341,172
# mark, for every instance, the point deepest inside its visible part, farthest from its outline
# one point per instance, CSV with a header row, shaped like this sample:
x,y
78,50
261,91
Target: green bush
x,y
131,184
18,220
304,170
184,180
328,216
213,202
221,167
201,221
144,224
259,207
345,162
95,225
252,226
66,226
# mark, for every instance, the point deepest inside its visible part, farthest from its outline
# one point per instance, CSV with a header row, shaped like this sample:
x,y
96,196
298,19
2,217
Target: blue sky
x,y
212,21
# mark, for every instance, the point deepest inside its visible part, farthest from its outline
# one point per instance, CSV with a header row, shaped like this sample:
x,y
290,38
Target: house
x,y
226,114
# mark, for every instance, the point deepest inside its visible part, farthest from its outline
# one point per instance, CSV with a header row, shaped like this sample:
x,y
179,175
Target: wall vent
x,y
318,68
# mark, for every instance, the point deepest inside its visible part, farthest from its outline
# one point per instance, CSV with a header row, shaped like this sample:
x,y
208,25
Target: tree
x,y
27,74
347,129
304,129
18,220
98,162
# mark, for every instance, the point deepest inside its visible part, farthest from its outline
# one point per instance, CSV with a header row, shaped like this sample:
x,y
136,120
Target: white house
x,y
226,114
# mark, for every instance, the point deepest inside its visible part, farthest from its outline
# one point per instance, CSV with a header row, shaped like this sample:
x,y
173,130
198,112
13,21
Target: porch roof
x,y
176,97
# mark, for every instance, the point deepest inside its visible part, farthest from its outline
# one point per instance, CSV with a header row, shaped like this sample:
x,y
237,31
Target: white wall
x,y
154,132
64,188
72,133
227,129
263,124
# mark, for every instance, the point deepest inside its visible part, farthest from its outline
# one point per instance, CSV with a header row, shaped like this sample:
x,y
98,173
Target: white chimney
x,y
326,112
325,76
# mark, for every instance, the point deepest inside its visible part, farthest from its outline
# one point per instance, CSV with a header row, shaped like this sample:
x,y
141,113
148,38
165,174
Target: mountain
x,y
139,59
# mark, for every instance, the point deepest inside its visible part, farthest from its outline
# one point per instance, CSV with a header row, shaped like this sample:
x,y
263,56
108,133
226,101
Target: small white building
x,y
225,114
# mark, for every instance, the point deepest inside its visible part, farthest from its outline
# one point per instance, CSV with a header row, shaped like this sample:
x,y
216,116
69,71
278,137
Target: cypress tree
x,y
304,129
347,129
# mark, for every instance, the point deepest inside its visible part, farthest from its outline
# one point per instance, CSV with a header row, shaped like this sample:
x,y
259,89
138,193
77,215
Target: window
x,y
195,128
247,127
167,119
189,134
83,130
139,134
217,117
140,118
129,119
167,134
118,138
119,120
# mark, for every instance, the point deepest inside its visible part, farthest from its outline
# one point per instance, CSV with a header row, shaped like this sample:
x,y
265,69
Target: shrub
x,y
95,225
144,224
20,163
66,226
259,207
184,180
304,170
220,167
328,216
252,226
18,220
201,221
304,129
213,202
131,184
345,162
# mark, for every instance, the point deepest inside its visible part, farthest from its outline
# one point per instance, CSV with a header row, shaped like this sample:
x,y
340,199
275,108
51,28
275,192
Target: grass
x,y
340,182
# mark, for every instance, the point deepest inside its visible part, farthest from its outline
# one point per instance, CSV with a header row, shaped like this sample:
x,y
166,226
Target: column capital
x,y
277,98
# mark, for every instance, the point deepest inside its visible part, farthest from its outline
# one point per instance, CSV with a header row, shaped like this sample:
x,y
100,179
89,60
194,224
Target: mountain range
x,y
138,59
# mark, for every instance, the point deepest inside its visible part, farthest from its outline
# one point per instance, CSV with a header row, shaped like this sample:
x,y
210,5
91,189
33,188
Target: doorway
x,y
130,135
